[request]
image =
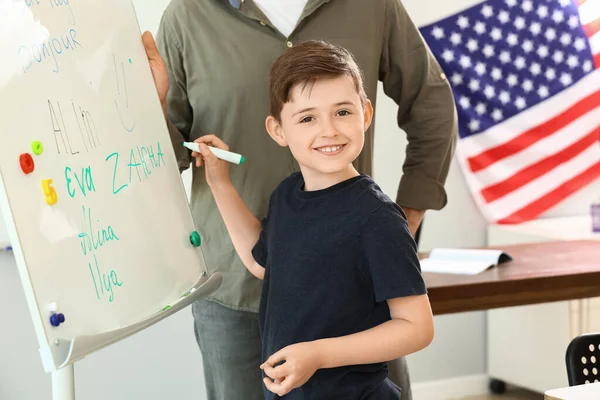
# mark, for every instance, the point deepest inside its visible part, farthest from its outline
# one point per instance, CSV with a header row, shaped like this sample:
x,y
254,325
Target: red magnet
x,y
26,162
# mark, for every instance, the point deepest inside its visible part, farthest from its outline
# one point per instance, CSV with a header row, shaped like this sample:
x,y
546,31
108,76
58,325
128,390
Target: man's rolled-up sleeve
x,y
413,78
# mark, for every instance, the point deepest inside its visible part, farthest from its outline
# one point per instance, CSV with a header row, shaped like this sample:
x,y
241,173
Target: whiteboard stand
x,y
63,383
65,353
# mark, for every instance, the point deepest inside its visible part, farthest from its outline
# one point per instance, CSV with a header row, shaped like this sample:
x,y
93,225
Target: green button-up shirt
x,y
218,57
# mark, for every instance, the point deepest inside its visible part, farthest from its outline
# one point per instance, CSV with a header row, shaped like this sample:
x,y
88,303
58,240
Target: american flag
x,y
526,81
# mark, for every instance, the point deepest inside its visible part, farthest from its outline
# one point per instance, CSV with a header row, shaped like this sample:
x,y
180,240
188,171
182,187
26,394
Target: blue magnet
x,y
57,319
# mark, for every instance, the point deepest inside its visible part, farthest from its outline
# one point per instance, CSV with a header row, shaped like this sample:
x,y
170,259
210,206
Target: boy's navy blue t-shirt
x,y
332,258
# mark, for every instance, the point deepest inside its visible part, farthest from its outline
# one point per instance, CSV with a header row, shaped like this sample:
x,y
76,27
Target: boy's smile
x,y
324,125
330,150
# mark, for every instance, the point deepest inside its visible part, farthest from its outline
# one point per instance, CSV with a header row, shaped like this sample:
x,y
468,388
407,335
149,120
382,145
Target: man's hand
x,y
414,217
302,360
159,69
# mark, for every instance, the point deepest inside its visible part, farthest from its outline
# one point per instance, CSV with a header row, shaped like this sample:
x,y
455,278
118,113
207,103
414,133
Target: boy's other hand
x,y
158,67
302,360
217,171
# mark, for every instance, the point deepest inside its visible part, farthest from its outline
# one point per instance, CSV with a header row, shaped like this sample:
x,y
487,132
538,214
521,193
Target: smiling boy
x,y
343,291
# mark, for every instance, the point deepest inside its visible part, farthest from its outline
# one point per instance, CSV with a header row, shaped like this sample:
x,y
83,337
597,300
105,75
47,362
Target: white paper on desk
x,y
454,267
462,261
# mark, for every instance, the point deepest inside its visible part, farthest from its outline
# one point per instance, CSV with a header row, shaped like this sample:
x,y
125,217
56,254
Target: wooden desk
x,y
539,273
582,392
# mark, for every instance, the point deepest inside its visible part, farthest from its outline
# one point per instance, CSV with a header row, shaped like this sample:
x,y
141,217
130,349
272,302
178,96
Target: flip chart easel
x,y
90,191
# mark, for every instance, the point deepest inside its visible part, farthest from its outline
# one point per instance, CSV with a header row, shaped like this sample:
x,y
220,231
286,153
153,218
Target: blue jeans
x,y
230,344
398,373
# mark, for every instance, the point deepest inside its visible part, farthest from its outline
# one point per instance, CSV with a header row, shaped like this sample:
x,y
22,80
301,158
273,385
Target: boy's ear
x,y
368,113
275,131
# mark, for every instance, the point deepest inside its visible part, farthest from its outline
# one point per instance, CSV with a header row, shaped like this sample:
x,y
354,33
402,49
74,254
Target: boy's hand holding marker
x,y
212,152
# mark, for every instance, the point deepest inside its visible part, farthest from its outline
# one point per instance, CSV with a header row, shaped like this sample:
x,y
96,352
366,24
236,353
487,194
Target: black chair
x,y
583,359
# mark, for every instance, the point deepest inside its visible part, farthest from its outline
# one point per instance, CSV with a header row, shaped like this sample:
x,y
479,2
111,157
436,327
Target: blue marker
x,y
6,248
221,154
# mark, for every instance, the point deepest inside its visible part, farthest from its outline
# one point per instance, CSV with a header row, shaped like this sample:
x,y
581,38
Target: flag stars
x,y
520,23
465,61
496,34
558,57
474,85
535,69
527,85
542,11
580,44
497,114
496,74
527,6
565,39
566,79
572,61
573,21
464,102
474,125
456,38
503,17
550,34
527,46
505,57
558,16
520,103
510,56
488,51
472,45
438,32
480,108
448,55
520,63
479,27
543,51
456,79
487,11
480,68
512,39
463,22
535,28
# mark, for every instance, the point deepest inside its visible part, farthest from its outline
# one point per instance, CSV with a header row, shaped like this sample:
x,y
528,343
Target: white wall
x,y
163,362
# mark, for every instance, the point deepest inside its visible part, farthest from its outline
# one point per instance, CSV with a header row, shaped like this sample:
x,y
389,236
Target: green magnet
x,y
195,239
37,147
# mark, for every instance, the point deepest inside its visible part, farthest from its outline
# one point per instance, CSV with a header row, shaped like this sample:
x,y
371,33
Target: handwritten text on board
x,y
79,139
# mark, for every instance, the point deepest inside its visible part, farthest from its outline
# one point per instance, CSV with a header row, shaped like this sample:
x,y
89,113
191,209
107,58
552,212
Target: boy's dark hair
x,y
307,62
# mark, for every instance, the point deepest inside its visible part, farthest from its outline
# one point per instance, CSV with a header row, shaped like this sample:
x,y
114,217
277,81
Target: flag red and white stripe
x,y
510,170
